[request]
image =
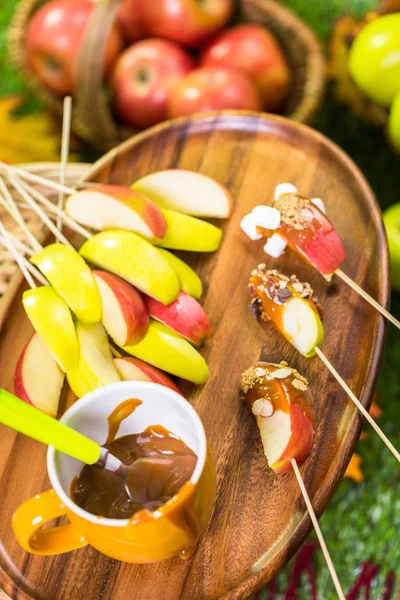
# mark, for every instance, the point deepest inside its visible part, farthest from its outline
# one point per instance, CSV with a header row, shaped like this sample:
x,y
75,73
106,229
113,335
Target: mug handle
x,y
33,514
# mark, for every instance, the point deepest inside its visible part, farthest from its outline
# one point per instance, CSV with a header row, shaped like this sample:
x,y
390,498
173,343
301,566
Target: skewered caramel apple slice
x,y
280,399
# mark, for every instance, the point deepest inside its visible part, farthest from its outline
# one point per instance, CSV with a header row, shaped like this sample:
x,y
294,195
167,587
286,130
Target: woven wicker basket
x,y
93,119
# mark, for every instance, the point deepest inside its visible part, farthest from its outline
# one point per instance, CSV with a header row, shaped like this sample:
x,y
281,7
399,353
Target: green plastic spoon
x,y
30,421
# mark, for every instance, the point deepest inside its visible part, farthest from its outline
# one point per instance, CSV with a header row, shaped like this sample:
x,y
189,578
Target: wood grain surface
x,y
259,519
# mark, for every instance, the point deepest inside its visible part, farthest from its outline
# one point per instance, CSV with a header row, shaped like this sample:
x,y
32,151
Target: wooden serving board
x,y
260,519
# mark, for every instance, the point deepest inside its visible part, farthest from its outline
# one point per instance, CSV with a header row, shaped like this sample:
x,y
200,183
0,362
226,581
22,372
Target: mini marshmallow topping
x,y
248,226
275,246
284,188
266,217
319,204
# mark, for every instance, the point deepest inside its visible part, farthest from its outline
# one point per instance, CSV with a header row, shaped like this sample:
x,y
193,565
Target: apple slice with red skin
x,y
116,207
125,316
133,369
38,380
185,316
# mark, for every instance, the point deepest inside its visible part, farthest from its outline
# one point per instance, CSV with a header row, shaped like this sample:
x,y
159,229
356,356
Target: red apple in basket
x,y
130,18
38,380
213,88
133,369
256,52
143,77
54,39
188,22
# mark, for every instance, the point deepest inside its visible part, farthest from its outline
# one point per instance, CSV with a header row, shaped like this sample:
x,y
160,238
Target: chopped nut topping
x,y
262,408
300,385
277,287
293,209
281,373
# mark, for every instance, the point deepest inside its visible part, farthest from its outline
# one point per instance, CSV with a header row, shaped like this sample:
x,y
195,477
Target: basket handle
x,y
92,103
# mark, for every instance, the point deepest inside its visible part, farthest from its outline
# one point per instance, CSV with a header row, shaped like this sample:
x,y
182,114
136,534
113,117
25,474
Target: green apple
x,y
170,352
96,366
134,259
52,319
374,60
302,326
71,277
391,218
394,121
188,192
189,281
188,233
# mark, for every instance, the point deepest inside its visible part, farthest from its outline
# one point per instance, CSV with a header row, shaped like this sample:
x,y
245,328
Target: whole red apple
x,y
130,17
256,52
213,88
54,38
143,77
188,22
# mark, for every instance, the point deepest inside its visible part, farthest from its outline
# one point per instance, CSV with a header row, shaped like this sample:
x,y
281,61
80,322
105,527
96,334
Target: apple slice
x,y
71,277
125,316
52,320
302,325
281,402
134,259
188,233
95,367
170,352
189,281
133,369
38,379
187,192
116,207
185,316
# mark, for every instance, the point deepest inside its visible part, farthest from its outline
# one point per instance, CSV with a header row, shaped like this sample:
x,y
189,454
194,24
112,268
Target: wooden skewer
x,y
20,246
66,133
10,170
318,531
367,297
17,256
10,206
54,209
360,407
40,212
31,268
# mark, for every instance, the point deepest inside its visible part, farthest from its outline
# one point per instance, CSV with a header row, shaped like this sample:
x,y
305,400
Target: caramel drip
x,y
119,414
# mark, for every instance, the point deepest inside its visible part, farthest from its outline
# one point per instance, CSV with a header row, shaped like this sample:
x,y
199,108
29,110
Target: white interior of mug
x,y
161,406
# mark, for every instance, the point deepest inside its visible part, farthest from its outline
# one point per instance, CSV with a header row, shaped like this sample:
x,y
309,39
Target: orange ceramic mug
x,y
157,538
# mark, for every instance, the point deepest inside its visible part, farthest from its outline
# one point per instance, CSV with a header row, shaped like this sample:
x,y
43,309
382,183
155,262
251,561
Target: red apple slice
x,y
185,316
116,207
125,316
38,380
133,369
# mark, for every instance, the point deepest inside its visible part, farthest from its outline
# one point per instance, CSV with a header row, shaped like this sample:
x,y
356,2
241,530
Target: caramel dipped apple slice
x,y
280,399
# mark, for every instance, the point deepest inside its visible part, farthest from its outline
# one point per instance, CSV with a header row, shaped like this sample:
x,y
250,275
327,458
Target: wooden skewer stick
x,y
40,212
367,297
20,246
360,407
10,170
55,210
318,531
66,134
31,268
17,257
8,203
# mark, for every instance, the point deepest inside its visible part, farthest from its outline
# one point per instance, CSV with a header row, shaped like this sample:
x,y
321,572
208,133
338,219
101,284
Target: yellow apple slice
x,y
52,319
189,281
188,192
96,367
116,207
170,352
71,277
134,259
188,233
38,380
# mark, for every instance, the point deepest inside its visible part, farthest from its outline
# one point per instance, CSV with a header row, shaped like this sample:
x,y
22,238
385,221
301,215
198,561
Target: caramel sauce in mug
x,y
161,466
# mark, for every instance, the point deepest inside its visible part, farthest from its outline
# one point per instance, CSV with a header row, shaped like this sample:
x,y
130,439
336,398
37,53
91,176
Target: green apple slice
x,y
169,351
189,281
96,366
134,259
71,277
391,218
302,326
188,233
52,319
